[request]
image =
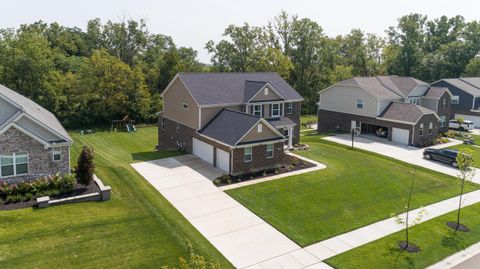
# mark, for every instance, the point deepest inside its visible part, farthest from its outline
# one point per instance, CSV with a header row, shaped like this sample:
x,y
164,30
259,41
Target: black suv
x,y
442,155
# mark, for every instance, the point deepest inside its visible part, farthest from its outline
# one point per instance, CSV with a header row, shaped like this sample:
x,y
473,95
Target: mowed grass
x,y
435,240
356,189
475,152
304,119
138,228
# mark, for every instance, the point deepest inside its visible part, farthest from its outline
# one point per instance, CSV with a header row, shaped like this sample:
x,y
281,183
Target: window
x,y
360,103
6,165
21,163
185,106
265,92
178,128
444,103
259,128
13,164
257,110
57,154
269,151
275,110
443,121
430,128
455,100
285,133
163,124
247,154
421,129
289,108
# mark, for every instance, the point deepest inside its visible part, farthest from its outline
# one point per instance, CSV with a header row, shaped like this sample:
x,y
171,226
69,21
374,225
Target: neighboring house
x,y
466,97
239,122
402,109
33,143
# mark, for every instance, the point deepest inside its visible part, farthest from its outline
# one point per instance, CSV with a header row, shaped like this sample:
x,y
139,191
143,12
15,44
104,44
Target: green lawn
x,y
138,228
357,188
307,119
475,152
434,238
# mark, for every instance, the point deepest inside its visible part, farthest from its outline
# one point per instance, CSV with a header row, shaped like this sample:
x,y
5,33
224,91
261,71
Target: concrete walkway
x,y
241,236
347,241
468,258
397,151
318,166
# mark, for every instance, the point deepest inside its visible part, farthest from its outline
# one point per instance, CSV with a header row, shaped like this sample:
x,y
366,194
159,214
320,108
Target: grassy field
x,y
138,228
307,119
357,188
434,238
475,152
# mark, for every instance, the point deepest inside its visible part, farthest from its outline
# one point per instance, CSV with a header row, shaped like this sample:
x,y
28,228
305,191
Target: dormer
x,y
259,91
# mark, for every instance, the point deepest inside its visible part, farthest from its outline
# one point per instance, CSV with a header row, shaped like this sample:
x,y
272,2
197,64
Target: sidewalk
x,y
468,258
347,241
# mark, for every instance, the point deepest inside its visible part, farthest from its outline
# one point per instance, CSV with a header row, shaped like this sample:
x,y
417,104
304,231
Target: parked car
x,y
448,156
466,125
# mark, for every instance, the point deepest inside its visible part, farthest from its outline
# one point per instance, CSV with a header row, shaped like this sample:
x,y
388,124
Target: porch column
x,y
290,136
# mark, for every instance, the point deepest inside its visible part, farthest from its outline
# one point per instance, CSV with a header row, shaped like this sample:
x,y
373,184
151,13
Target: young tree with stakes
x,y
407,223
465,175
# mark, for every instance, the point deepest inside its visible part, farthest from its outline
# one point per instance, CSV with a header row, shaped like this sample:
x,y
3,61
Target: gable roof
x,y
404,112
34,111
436,92
233,88
468,85
230,126
385,87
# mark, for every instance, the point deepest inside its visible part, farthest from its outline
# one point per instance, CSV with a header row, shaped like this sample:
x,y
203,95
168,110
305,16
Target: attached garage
x,y
400,135
223,160
474,119
203,150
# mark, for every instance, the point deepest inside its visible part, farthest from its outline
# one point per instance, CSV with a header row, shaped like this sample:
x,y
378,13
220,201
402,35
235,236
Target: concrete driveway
x,y
400,152
241,236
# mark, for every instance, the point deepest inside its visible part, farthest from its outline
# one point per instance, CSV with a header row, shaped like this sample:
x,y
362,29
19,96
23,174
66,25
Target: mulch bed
x,y
458,227
288,166
411,248
78,190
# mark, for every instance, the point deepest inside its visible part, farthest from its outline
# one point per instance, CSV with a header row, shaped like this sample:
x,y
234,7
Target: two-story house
x,y
466,97
402,109
238,122
33,143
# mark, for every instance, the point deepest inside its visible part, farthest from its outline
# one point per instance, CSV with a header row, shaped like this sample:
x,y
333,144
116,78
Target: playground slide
x,y
131,128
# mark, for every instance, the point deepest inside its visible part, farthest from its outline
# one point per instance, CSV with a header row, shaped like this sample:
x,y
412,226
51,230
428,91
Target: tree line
x,y
109,70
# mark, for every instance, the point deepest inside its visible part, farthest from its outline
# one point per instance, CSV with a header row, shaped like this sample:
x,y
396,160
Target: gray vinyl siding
x,y
430,103
37,130
6,110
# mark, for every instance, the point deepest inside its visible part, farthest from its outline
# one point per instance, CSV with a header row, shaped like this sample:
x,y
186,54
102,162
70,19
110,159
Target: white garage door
x,y
203,150
400,135
475,119
223,160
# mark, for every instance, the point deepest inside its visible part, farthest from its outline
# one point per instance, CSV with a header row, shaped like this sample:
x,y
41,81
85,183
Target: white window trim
x,y
289,108
443,121
185,106
420,130
272,151
455,100
259,128
260,110
265,91
362,102
15,165
59,153
430,127
271,110
245,154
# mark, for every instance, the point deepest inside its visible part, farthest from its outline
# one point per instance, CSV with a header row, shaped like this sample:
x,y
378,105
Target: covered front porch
x,y
285,126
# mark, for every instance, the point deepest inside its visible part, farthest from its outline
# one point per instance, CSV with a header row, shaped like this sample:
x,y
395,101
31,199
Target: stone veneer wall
x,y
259,159
40,160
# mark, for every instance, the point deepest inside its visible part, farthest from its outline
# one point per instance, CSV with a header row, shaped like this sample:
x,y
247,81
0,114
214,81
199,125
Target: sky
x,y
193,23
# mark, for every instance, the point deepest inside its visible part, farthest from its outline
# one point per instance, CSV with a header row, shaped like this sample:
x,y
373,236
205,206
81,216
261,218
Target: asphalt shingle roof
x,y
233,88
435,92
281,121
34,110
466,84
405,112
385,87
229,126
